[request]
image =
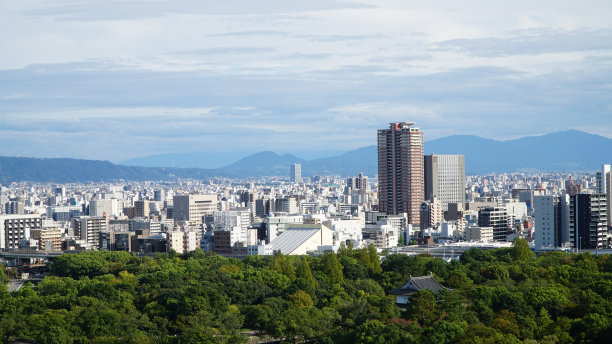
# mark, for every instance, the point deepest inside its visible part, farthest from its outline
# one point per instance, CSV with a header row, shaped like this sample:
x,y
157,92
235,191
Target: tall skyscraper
x,y
400,170
445,179
296,173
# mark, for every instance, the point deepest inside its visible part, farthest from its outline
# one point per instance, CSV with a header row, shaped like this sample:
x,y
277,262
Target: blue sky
x,y
133,78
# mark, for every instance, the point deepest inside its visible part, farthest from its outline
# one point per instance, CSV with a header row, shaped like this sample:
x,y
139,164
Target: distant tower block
x,y
445,179
296,173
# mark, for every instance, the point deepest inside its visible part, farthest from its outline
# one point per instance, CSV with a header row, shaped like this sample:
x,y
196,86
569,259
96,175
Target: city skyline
x,y
135,78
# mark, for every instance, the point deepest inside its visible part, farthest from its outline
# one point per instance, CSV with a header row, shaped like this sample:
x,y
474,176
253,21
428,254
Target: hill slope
x,y
570,150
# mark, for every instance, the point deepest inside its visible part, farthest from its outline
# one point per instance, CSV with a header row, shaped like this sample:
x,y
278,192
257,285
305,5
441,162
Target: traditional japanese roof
x,y
415,284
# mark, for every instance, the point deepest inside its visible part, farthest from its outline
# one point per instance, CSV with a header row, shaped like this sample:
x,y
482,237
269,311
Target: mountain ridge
x,y
570,150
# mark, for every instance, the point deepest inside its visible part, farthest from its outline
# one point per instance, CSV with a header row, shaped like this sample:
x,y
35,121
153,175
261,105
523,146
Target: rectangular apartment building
x,y
14,228
192,208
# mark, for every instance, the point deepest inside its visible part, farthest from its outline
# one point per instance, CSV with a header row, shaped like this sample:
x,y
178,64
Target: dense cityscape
x,y
322,171
408,236
416,199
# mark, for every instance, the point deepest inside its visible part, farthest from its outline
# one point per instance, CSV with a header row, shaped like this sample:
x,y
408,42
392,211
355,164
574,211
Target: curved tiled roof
x,y
415,284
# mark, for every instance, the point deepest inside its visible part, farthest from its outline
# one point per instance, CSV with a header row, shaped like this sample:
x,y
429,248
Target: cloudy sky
x,y
119,79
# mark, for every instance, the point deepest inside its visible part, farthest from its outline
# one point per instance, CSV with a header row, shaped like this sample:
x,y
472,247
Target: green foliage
x,y
423,308
498,296
283,265
332,268
520,250
303,271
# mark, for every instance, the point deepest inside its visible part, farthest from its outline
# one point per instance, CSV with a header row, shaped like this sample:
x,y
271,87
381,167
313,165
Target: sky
x,y
119,79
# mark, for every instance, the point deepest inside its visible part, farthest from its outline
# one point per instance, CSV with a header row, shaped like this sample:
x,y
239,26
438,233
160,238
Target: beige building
x,y
431,213
48,238
184,241
192,208
484,234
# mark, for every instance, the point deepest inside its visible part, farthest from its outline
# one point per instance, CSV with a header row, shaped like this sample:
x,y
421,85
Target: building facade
x,y
497,218
588,221
295,174
400,170
192,208
88,229
445,179
551,216
14,228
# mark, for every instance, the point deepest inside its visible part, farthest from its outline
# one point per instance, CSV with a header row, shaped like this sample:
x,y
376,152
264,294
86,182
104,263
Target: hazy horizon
x,y
129,78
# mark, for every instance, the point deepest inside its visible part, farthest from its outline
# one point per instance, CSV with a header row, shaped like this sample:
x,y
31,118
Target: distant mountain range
x,y
570,150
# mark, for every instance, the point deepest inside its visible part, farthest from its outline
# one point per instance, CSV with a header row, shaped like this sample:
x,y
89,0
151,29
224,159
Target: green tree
x,y
303,271
520,250
374,259
282,264
423,307
301,299
332,268
342,250
443,332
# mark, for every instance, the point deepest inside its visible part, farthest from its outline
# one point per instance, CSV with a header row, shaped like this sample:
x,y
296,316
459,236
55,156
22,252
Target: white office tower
x,y
551,215
604,185
296,173
445,178
102,207
235,221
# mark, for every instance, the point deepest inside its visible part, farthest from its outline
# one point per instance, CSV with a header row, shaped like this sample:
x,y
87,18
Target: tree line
x,y
498,296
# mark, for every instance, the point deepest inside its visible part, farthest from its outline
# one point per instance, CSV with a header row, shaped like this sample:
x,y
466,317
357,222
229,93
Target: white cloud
x,y
137,77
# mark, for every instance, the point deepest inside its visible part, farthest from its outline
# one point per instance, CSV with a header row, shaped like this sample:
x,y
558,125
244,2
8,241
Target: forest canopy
x,y
497,296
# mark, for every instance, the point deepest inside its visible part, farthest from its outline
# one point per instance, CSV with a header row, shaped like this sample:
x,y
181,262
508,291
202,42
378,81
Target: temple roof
x,y
415,284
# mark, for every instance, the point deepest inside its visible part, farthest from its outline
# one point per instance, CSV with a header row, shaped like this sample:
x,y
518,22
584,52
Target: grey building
x,y
295,175
604,185
445,179
14,208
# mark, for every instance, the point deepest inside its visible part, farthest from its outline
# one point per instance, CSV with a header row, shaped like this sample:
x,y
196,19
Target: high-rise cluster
x,y
407,177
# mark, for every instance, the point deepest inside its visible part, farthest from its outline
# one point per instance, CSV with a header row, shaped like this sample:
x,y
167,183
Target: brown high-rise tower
x,y
400,170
